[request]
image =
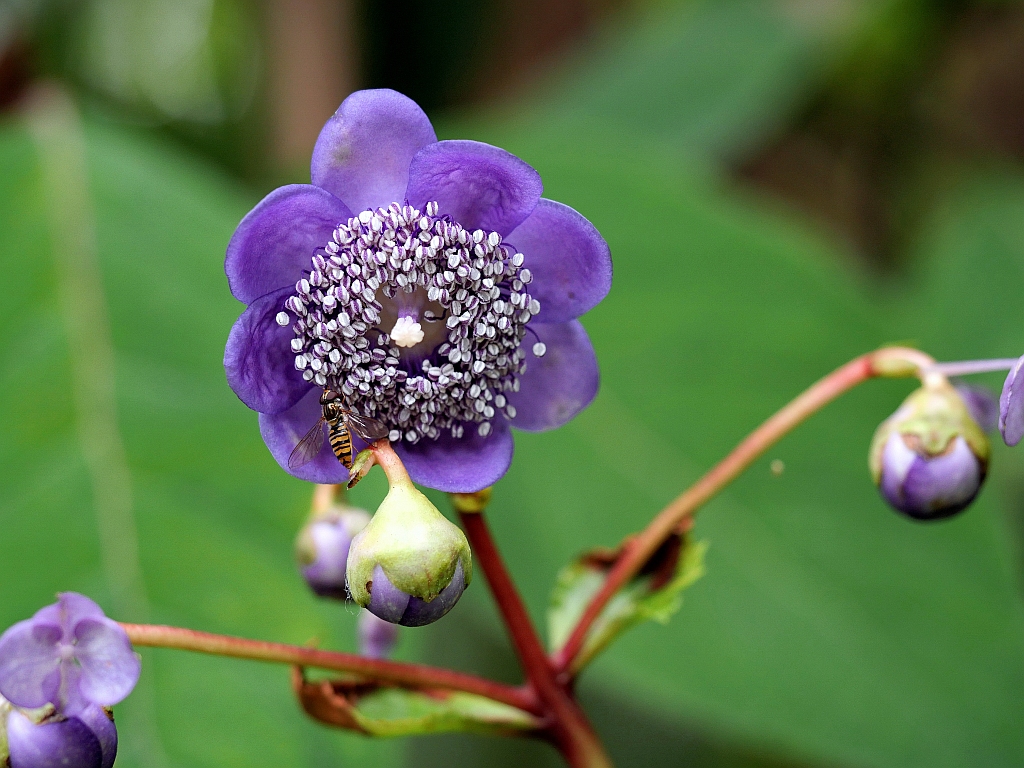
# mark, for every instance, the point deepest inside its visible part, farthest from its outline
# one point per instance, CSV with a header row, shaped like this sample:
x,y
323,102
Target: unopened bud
x,y
43,738
930,457
322,548
377,637
410,565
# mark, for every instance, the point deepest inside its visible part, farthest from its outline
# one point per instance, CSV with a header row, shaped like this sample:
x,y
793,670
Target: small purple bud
x,y
929,487
69,655
982,404
930,458
87,740
392,604
322,549
377,637
1011,405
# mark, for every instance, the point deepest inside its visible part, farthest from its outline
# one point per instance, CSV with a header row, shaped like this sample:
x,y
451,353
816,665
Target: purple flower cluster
x,y
67,663
428,283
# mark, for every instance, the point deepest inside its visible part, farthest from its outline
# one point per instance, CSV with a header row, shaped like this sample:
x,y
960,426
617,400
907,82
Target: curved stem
x,y
892,361
413,675
569,727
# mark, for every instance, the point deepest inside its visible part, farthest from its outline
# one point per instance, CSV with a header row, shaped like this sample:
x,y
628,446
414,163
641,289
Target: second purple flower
x,y
428,284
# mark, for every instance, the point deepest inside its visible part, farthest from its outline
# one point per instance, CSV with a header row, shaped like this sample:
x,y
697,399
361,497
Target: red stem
x,y
637,551
413,675
569,727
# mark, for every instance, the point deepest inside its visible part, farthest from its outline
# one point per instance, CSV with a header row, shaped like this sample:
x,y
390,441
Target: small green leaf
x,y
579,581
376,710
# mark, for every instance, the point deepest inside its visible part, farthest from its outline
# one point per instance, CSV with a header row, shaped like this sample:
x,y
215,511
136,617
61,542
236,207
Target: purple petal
x,y
570,261
62,744
420,612
377,636
276,239
460,465
981,404
283,431
363,153
386,600
1011,405
110,668
478,185
258,360
102,727
929,488
30,662
558,385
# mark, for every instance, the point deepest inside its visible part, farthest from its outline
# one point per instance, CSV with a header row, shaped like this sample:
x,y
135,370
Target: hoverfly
x,y
341,423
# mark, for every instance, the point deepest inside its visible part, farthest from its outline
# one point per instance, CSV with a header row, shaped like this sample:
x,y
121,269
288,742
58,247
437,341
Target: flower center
x,y
415,321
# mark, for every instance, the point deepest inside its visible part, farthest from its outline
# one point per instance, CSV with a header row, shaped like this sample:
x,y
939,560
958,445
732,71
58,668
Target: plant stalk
x,y
892,362
412,675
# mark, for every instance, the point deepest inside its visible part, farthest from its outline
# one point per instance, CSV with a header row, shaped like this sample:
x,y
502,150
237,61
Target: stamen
x,y
425,269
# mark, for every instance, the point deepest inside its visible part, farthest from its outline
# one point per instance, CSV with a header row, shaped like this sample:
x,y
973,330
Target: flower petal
x,y
478,185
363,153
110,668
283,431
558,385
570,261
1011,405
460,465
258,360
386,600
419,613
30,663
276,239
102,727
929,488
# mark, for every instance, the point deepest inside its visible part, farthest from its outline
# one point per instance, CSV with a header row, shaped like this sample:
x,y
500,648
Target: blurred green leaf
x,y
390,712
637,602
215,515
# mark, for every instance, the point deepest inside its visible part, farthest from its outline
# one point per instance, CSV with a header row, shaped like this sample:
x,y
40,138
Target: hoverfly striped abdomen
x,y
341,440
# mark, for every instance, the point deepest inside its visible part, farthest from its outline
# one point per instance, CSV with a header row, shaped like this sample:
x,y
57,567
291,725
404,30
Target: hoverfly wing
x,y
308,447
368,428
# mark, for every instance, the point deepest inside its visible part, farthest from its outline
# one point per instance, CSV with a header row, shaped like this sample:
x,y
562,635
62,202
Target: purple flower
x,y
68,654
322,549
929,487
428,283
87,740
1011,406
377,637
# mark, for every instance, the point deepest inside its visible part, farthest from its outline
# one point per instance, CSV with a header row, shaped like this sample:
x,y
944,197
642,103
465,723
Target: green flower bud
x,y
410,564
930,457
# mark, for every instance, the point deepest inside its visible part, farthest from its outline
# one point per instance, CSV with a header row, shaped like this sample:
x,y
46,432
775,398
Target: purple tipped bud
x,y
929,487
392,604
87,740
1011,405
377,638
322,549
930,457
410,565
981,403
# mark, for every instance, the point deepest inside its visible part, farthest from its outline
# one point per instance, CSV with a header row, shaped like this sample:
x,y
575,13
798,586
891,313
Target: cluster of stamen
x,y
459,308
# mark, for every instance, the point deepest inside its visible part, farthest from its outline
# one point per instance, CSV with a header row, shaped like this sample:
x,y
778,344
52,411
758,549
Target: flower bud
x,y
322,548
377,637
930,457
410,565
43,739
